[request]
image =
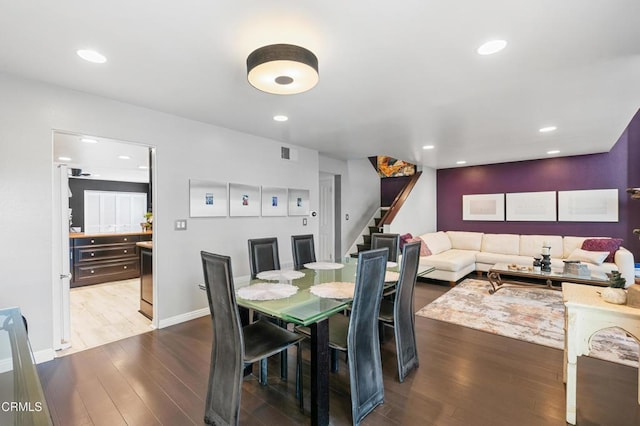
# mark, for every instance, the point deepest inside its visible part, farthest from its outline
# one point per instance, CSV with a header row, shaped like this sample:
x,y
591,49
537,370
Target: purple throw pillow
x,y
404,239
603,244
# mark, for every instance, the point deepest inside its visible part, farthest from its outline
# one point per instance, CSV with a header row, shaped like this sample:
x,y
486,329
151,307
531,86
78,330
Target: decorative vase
x,y
614,295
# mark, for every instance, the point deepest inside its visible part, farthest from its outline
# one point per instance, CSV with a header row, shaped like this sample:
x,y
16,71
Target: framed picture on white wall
x,y
244,200
298,202
274,201
207,199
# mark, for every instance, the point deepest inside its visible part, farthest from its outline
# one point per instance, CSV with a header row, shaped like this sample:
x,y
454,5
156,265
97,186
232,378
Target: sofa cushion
x,y
465,240
437,241
501,243
594,257
493,258
450,260
603,244
531,245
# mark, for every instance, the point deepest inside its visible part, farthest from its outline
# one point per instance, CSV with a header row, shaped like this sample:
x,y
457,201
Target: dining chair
x,y
234,346
263,255
303,250
399,313
391,241
357,334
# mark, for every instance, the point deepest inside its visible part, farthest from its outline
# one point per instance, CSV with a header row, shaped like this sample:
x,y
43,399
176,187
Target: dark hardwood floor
x,y
466,377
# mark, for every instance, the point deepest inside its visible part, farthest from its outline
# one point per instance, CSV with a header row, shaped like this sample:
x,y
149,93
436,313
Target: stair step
x,y
366,239
377,221
354,255
374,230
363,247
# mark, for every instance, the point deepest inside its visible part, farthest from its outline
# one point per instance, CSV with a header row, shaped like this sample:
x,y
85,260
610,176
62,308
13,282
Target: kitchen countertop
x,y
106,234
145,244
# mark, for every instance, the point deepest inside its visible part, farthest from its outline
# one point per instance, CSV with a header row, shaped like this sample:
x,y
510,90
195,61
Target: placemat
x,y
323,265
267,291
279,275
334,290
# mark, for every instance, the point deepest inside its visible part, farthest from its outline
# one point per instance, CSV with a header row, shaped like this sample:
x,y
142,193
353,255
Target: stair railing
x,y
399,201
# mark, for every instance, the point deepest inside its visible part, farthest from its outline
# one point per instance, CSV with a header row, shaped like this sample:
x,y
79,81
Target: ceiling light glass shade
x,y
282,69
491,47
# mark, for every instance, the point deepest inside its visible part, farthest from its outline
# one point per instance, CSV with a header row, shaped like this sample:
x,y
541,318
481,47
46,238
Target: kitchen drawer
x,y
105,271
106,252
109,239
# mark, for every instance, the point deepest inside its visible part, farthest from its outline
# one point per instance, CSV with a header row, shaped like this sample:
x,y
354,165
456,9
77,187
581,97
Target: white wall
x,y
360,195
418,213
30,111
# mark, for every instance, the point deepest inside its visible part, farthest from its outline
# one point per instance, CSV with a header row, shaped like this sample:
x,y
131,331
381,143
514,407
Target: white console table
x,y
586,314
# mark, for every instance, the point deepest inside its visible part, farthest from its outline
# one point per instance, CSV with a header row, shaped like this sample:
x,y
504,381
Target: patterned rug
x,y
531,314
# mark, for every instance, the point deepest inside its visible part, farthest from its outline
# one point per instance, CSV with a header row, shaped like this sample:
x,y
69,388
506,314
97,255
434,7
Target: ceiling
x,y
393,76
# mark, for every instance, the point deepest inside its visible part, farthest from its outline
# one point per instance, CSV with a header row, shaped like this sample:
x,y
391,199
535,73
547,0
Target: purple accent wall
x,y
619,168
391,187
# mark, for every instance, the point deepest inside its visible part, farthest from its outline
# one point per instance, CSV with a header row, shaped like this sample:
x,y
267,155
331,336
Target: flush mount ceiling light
x,y
280,117
91,56
282,69
491,47
547,129
428,147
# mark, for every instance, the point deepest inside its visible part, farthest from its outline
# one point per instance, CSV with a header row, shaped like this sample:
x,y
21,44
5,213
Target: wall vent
x,y
285,153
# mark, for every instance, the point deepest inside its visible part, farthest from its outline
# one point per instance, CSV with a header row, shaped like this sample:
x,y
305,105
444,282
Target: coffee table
x,y
501,273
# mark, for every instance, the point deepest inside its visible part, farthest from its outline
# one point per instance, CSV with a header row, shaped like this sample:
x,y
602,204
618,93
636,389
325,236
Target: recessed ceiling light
x,y
461,162
124,157
88,140
547,129
143,167
92,56
553,151
280,117
491,47
428,147
64,158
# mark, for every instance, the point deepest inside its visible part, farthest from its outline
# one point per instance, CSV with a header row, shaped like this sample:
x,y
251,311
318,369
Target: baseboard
x,y
183,317
44,355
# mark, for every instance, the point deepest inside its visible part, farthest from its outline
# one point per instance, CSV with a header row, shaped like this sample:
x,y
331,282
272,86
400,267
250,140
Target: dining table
x,y
307,309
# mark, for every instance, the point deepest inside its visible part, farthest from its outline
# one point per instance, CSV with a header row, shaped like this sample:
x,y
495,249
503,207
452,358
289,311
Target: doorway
x,y
103,205
329,245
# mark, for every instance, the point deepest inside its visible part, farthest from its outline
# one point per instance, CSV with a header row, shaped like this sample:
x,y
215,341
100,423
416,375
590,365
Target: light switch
x,y
180,225
304,221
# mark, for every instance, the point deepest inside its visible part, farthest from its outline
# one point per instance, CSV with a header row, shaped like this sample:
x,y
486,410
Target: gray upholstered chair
x,y
263,255
390,241
357,334
234,346
399,313
303,250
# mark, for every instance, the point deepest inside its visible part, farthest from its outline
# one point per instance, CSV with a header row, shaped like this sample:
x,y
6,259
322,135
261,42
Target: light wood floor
x,y
104,313
466,378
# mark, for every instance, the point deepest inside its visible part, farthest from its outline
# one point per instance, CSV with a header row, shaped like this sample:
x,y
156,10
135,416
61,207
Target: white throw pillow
x,y
595,257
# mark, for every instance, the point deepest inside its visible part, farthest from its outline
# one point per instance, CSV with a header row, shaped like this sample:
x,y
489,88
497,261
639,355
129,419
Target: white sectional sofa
x,y
455,254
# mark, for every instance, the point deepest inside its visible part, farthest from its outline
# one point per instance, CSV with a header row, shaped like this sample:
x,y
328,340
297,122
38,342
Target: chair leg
x,y
381,331
299,386
284,365
263,371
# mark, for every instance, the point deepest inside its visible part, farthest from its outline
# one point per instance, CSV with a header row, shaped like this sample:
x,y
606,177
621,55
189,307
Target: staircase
x,y
373,229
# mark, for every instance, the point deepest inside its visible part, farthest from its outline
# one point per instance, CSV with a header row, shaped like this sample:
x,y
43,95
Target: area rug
x,y
531,314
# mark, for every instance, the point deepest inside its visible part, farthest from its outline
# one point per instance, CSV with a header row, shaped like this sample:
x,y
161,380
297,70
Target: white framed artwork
x,y
298,202
488,207
244,200
591,205
531,206
207,199
274,201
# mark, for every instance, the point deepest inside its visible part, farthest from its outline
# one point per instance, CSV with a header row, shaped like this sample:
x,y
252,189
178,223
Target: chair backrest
x,y
403,313
390,241
263,255
303,250
365,364
227,351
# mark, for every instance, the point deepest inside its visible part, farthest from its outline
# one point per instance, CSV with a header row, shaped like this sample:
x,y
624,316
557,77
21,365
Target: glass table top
x,y
305,308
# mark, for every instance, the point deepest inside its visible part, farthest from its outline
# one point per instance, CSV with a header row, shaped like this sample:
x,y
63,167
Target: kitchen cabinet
x,y
99,258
